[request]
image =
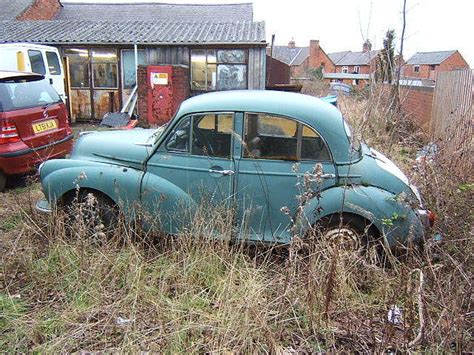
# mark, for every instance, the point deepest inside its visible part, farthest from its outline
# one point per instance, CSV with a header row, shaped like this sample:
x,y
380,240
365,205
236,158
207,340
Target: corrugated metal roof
x,y
290,56
155,12
353,58
10,9
144,32
430,57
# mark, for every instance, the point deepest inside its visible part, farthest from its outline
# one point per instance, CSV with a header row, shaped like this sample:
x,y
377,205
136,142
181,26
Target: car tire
x,y
92,211
351,233
3,181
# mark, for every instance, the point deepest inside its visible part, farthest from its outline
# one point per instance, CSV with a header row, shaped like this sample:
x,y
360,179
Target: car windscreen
x,y
20,93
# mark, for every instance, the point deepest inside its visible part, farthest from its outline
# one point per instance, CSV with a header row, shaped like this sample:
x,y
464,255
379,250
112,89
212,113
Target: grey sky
x,y
343,24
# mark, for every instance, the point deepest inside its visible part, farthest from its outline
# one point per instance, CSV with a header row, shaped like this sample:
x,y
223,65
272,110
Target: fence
x,y
452,124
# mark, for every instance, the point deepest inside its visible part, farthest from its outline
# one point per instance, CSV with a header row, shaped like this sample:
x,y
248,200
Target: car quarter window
x,y
207,134
281,138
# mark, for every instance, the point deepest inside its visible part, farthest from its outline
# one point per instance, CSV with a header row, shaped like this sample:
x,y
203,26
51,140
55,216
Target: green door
x,y
192,171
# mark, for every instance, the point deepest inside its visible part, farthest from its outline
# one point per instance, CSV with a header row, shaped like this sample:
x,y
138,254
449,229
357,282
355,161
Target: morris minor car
x,y
282,163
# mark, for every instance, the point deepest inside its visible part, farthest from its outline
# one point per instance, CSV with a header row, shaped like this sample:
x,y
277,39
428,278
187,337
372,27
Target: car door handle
x,y
222,172
327,176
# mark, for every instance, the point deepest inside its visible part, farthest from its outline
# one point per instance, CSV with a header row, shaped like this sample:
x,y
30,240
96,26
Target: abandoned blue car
x,y
281,163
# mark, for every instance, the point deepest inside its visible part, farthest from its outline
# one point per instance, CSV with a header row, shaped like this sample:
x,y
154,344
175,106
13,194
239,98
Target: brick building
x,y
303,59
354,68
425,65
220,46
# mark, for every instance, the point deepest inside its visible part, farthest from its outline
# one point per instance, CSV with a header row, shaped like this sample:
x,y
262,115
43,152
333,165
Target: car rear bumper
x,y
25,159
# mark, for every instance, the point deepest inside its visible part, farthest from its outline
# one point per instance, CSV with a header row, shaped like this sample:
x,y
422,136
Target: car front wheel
x,y
91,213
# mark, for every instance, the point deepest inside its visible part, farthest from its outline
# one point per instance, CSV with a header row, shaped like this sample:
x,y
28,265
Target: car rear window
x,y
17,94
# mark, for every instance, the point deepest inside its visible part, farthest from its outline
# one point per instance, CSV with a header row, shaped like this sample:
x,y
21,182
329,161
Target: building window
x,y
356,69
128,66
104,69
433,67
219,69
416,68
345,70
78,67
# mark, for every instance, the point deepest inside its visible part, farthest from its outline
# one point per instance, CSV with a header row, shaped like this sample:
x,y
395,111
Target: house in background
x,y
219,46
354,68
303,59
425,65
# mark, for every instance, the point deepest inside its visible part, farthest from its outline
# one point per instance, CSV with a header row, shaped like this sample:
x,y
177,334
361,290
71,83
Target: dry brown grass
x,y
139,292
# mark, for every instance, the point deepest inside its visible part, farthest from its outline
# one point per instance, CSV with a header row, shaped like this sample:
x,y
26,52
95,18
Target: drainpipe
x,y
135,48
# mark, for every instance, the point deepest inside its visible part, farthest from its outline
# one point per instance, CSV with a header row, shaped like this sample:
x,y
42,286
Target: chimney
x,y
292,44
314,54
40,10
367,46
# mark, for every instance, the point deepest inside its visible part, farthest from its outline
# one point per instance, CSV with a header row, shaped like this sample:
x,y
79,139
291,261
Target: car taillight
x,y
8,132
431,218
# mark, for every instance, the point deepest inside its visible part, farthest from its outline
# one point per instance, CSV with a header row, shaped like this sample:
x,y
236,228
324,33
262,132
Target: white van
x,y
44,60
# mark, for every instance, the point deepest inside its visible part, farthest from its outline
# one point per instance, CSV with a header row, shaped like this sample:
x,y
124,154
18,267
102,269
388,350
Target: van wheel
x,y
3,181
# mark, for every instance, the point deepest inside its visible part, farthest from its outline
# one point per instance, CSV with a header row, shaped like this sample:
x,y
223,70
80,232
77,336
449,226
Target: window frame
x,y
56,56
42,60
163,146
218,63
299,126
345,70
356,69
108,62
416,69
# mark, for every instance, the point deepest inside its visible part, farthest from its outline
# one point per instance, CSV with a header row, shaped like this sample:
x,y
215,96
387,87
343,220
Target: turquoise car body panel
x,y
136,168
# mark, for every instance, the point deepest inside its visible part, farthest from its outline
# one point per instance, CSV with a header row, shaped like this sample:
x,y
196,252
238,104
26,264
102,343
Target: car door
x,y
277,165
192,170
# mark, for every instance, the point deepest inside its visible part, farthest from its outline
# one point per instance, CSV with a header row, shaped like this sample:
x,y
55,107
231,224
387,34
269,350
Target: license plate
x,y
44,126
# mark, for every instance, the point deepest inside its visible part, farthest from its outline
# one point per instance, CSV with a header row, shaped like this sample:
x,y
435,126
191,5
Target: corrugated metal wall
x,y
168,55
256,68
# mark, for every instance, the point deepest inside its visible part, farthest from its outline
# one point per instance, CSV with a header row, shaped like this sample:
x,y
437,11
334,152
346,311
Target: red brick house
x,y
425,65
302,59
354,68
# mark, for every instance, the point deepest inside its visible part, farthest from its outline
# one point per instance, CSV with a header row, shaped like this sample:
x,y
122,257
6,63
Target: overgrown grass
x,y
137,292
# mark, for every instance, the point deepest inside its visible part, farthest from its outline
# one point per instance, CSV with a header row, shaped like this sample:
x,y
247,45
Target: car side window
x,y
281,138
179,139
212,134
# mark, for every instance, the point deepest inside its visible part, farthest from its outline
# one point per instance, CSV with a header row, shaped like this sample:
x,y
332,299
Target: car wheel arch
x,y
352,219
70,195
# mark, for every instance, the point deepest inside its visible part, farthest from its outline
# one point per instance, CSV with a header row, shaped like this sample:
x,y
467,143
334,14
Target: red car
x,y
34,124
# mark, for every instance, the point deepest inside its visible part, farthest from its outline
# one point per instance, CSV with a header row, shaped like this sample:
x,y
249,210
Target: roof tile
x,y
163,33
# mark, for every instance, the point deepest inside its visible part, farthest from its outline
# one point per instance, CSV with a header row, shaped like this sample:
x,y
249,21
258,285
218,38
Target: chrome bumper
x,y
43,206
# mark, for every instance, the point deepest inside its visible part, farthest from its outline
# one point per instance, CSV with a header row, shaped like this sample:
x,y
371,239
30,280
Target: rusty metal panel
x,y
80,104
105,101
168,55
